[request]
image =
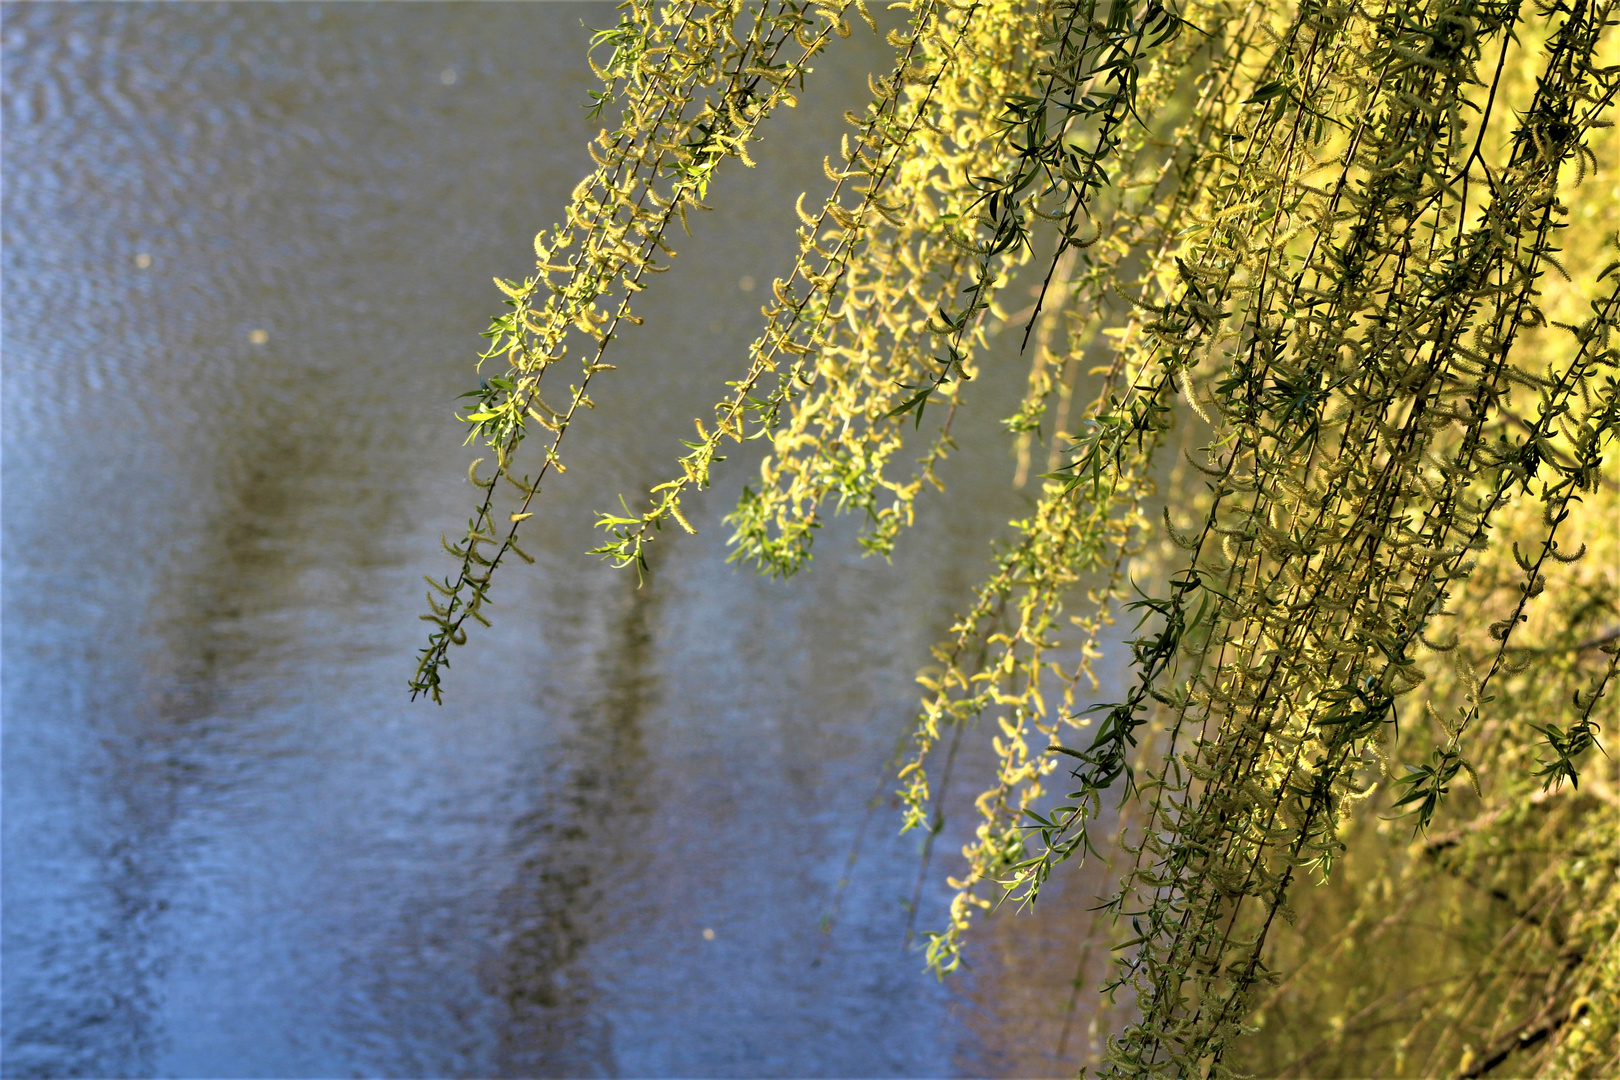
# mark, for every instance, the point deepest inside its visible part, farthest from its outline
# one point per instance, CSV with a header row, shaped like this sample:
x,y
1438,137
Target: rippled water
x,y
247,250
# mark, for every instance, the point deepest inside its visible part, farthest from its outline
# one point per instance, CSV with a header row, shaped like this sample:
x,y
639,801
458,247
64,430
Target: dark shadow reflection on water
x,y
572,854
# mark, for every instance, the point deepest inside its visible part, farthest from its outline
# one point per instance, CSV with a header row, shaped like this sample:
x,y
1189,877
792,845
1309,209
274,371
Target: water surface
x,y
247,251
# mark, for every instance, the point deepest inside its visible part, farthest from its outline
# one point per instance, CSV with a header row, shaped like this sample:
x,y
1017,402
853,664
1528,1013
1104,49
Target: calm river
x,y
247,252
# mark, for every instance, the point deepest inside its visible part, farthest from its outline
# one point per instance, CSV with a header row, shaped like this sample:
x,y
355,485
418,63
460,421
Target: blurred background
x,y
247,253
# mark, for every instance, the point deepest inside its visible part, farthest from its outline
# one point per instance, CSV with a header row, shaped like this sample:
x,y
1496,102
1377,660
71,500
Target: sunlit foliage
x,y
1322,341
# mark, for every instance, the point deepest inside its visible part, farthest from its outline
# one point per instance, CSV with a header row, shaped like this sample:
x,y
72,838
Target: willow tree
x,y
1311,261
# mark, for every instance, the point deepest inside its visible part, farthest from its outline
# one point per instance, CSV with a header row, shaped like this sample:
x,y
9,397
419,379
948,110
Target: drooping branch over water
x,y
1309,261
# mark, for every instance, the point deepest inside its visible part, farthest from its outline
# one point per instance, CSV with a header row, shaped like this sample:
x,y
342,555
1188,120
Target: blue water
x,y
247,251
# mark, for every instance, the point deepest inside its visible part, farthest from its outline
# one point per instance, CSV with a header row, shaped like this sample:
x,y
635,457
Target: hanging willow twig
x,y
619,216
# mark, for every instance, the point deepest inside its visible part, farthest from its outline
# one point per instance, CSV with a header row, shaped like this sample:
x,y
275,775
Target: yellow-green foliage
x,y
1489,943
1316,258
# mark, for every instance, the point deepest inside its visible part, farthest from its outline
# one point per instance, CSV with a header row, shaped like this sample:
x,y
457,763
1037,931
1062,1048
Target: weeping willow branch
x,y
620,218
1316,257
